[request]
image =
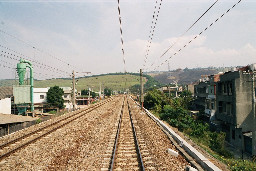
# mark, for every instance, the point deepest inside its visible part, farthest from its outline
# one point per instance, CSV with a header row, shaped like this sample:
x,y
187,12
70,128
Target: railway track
x,y
29,137
126,153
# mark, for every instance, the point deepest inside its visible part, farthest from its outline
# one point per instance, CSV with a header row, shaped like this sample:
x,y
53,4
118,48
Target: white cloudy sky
x,y
85,34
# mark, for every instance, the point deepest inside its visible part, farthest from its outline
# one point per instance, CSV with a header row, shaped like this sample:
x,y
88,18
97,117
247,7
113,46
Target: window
x,y
212,105
219,88
229,108
230,89
225,88
224,105
41,96
207,105
233,135
65,95
220,107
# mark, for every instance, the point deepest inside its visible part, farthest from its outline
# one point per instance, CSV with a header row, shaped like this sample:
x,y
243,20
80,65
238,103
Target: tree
x,y
84,92
54,97
107,91
155,100
94,94
135,89
186,97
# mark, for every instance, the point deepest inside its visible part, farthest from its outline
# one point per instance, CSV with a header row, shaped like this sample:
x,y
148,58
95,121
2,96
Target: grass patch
x,y
38,121
52,112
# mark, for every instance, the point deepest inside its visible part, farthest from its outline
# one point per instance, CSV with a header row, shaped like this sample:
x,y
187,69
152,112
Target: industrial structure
x,y
23,94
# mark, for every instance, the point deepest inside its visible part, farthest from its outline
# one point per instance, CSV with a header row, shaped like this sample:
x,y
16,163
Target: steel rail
x,y
44,127
76,116
136,141
116,140
139,156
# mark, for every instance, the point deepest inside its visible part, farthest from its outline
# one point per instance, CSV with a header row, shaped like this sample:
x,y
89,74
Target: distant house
x,y
210,107
173,91
5,100
40,98
191,88
67,97
201,93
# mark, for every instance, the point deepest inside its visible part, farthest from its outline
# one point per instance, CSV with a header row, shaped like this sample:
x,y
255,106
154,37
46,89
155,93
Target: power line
x,y
36,66
38,49
189,28
121,31
16,58
13,66
177,52
40,64
185,32
152,30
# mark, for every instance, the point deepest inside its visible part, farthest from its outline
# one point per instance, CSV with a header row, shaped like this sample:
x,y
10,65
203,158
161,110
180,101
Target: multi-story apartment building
x,y
210,103
200,93
234,107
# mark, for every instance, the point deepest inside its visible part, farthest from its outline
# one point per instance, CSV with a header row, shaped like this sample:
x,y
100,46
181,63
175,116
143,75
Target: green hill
x,y
113,81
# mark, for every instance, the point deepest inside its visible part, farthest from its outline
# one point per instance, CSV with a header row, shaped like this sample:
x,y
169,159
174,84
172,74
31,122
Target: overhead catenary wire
x,y
13,66
36,48
184,33
16,58
121,31
189,28
20,55
8,56
152,29
195,37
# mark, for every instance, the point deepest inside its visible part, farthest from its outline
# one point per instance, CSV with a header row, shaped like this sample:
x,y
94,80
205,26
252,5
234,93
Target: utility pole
x,y
74,93
141,90
169,91
89,90
103,97
100,91
254,118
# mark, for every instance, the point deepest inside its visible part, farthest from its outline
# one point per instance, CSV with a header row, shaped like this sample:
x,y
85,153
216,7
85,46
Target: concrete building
x,y
67,97
234,107
172,91
191,88
5,100
40,98
210,107
200,94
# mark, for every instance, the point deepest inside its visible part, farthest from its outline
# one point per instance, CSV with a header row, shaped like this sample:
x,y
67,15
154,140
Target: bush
x,y
38,121
217,143
177,117
155,100
52,112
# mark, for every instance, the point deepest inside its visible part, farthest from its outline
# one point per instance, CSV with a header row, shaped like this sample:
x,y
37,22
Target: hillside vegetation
x,y
183,76
114,81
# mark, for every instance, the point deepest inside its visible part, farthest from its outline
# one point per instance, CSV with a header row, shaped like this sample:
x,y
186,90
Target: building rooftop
x,y
40,90
9,118
5,92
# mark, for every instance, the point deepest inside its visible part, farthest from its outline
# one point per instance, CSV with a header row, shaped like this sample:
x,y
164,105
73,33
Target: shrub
x,y
38,121
155,100
52,112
